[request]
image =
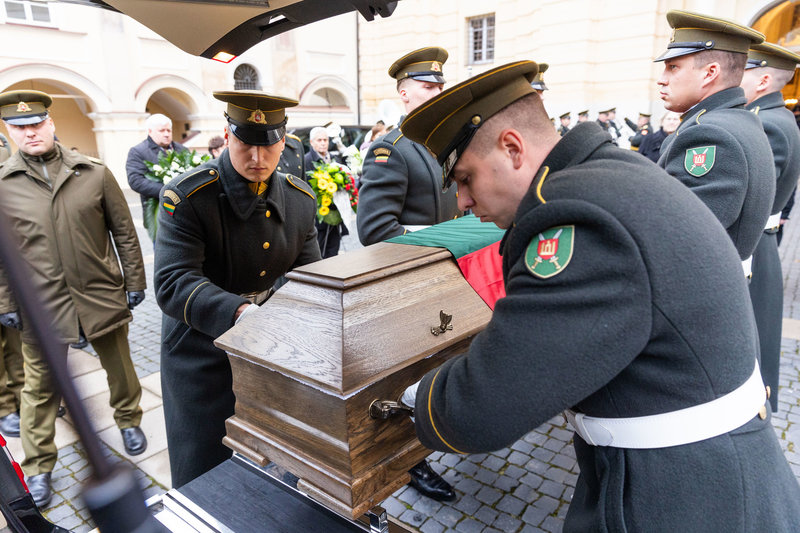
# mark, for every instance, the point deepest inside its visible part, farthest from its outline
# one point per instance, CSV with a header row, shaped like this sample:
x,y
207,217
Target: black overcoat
x,y
401,185
739,185
766,287
147,150
649,314
216,241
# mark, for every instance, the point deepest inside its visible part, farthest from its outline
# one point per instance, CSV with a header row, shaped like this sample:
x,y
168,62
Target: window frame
x,y
487,42
27,6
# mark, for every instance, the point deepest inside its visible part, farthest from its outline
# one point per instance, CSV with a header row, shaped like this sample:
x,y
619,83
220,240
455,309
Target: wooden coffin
x,y
341,333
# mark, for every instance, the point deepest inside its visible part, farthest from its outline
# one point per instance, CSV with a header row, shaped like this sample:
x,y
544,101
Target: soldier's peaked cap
x,y
693,32
771,55
446,123
565,115
255,117
424,64
20,108
538,80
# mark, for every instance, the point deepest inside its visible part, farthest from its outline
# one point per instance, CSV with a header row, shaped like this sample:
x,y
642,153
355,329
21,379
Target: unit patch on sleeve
x,y
550,252
381,154
698,161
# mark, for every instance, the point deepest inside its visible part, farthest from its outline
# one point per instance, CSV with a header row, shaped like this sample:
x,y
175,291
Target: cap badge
x,y
436,66
672,37
257,116
22,107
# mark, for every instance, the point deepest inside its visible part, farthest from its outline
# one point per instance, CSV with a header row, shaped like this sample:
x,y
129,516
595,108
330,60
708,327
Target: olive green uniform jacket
x,y
67,235
720,151
216,241
648,314
401,185
766,286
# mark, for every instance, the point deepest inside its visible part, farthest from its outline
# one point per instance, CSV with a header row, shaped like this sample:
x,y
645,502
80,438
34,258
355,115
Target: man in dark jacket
x,y
227,231
625,307
329,237
720,150
401,184
158,141
769,68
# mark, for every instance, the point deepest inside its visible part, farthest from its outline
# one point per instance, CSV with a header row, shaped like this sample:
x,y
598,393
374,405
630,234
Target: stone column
x,y
116,133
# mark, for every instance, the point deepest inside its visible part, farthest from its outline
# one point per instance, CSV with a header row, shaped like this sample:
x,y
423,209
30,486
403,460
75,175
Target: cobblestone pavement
x,y
524,488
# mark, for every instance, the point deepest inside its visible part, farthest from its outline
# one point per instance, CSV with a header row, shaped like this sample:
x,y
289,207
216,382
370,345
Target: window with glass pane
x,y
481,39
27,11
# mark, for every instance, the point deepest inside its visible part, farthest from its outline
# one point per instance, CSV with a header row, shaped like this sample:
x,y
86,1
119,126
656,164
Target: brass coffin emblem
x,y
445,324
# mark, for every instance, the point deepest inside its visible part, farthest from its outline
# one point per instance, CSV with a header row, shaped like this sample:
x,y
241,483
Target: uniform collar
x,y
768,101
729,98
242,200
16,162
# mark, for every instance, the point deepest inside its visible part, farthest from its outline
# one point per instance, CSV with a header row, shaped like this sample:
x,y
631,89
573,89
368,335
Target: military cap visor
x,y
22,108
771,55
693,33
255,117
447,123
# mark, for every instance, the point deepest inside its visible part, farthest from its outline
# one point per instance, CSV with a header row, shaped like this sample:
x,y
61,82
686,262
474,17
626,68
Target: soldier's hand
x,y
11,320
135,298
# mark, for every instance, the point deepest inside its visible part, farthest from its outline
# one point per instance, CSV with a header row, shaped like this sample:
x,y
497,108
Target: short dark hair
x,y
215,142
732,64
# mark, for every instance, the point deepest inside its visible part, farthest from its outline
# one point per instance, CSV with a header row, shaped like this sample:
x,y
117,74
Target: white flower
x,y
157,168
167,179
196,160
174,166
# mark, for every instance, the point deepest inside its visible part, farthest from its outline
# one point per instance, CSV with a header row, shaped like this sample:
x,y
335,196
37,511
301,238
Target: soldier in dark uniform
x,y
292,158
622,290
608,125
227,231
640,130
720,150
401,191
565,120
401,184
769,68
583,116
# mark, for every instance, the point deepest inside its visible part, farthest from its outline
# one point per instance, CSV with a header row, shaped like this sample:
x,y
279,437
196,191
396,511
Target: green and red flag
x,y
476,247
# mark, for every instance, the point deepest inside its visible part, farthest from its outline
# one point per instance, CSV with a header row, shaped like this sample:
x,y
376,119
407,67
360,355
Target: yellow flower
x,y
332,187
326,201
324,211
322,183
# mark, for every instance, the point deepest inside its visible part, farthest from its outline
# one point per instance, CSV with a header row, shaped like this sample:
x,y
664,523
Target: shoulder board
x,y
393,136
295,137
95,160
196,180
300,185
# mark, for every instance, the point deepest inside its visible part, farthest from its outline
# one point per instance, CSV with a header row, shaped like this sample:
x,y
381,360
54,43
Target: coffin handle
x,y
444,324
385,409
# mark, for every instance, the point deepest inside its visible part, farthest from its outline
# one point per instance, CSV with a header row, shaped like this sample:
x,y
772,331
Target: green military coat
x,y
644,311
68,235
721,153
216,241
401,185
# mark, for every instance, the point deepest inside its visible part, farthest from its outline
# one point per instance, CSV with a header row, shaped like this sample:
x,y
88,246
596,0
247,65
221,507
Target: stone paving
x,y
524,488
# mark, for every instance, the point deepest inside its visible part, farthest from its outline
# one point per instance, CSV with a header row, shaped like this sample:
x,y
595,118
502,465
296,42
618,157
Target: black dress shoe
x,y
61,411
82,342
431,484
134,440
39,487
9,425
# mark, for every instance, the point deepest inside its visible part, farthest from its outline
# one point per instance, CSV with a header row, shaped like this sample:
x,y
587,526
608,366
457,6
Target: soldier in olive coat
x,y
227,231
622,290
5,148
401,184
769,68
12,378
720,150
292,158
69,215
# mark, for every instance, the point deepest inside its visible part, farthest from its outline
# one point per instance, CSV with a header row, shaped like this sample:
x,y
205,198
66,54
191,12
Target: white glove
x,y
247,310
409,396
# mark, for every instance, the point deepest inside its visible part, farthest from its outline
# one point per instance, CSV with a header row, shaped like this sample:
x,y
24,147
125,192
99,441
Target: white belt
x,y
747,267
675,428
773,222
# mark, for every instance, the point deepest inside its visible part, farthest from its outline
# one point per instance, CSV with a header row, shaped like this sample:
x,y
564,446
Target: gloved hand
x,y
135,298
11,320
249,309
409,397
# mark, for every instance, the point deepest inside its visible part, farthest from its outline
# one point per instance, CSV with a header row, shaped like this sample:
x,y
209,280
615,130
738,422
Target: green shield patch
x,y
700,160
550,252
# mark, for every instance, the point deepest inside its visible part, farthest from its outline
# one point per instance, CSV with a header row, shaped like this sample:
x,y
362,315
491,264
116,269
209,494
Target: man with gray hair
x,y
159,139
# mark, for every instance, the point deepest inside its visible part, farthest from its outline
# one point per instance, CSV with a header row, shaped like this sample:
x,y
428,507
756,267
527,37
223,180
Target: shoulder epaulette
x,y
194,181
300,185
393,136
295,137
95,160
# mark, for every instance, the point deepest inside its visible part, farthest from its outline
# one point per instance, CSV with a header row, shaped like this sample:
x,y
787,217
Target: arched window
x,y
246,77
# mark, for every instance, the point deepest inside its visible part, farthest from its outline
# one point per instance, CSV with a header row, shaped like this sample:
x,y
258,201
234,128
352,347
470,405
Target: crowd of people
x,y
658,362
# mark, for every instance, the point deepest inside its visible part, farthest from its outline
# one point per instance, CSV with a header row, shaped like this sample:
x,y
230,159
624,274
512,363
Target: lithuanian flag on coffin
x,y
476,247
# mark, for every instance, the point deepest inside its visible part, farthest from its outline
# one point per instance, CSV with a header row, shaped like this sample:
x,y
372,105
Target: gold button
x,y
263,273
279,167
769,392
268,213
212,172
266,245
762,413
